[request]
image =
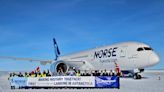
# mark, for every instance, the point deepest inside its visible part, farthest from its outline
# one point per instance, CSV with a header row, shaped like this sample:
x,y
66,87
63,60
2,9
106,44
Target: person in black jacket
x,y
93,73
85,73
98,73
111,73
105,73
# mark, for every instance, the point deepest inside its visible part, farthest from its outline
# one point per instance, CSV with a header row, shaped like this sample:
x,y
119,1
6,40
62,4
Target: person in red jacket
x,y
117,70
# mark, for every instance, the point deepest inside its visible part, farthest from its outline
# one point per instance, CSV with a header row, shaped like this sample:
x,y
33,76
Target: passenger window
x,y
147,48
140,49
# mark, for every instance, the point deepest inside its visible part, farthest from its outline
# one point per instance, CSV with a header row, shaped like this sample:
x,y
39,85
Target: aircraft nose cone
x,y
153,58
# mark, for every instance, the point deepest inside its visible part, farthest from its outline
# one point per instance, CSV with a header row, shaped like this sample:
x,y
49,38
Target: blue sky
x,y
28,26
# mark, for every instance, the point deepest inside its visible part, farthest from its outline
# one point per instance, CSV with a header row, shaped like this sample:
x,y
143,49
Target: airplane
x,y
132,58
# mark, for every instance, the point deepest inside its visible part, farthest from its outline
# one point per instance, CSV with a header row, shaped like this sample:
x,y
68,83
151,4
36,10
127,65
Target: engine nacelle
x,y
55,66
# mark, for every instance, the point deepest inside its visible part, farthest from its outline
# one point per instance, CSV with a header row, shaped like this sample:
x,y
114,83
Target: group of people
x,y
73,72
31,74
70,72
90,73
99,73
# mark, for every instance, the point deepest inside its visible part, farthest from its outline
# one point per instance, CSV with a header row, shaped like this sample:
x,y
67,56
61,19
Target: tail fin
x,y
57,52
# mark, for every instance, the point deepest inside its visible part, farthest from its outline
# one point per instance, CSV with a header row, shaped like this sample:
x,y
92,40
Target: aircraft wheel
x,y
12,87
137,76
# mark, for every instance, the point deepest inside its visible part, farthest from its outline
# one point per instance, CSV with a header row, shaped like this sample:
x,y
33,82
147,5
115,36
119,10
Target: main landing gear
x,y
137,76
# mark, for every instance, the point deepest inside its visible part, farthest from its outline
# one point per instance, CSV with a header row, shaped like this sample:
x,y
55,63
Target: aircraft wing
x,y
79,64
43,62
75,63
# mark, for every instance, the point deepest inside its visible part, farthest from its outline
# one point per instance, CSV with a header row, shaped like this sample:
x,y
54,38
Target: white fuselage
x,y
128,55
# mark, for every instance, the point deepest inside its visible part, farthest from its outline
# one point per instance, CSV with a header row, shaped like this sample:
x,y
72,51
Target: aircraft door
x,y
123,52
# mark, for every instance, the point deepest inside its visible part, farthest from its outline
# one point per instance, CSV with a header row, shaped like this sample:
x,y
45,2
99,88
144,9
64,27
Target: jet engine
x,y
57,65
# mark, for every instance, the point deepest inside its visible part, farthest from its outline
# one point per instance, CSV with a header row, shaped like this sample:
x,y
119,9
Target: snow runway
x,y
149,83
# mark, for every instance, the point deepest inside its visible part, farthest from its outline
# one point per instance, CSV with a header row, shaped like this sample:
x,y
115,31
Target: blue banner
x,y
18,82
66,81
107,82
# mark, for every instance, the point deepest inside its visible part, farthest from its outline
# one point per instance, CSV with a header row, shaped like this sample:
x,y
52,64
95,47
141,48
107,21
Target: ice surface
x,y
149,83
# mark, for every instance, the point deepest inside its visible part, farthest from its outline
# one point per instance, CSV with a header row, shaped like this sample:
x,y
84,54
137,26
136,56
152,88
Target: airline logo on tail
x,y
57,52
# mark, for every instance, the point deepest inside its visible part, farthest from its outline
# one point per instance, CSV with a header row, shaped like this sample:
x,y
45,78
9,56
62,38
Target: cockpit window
x,y
147,48
140,49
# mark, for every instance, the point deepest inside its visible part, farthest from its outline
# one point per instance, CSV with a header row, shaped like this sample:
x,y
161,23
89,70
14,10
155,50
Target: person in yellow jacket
x,y
44,74
33,75
78,73
26,74
39,75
